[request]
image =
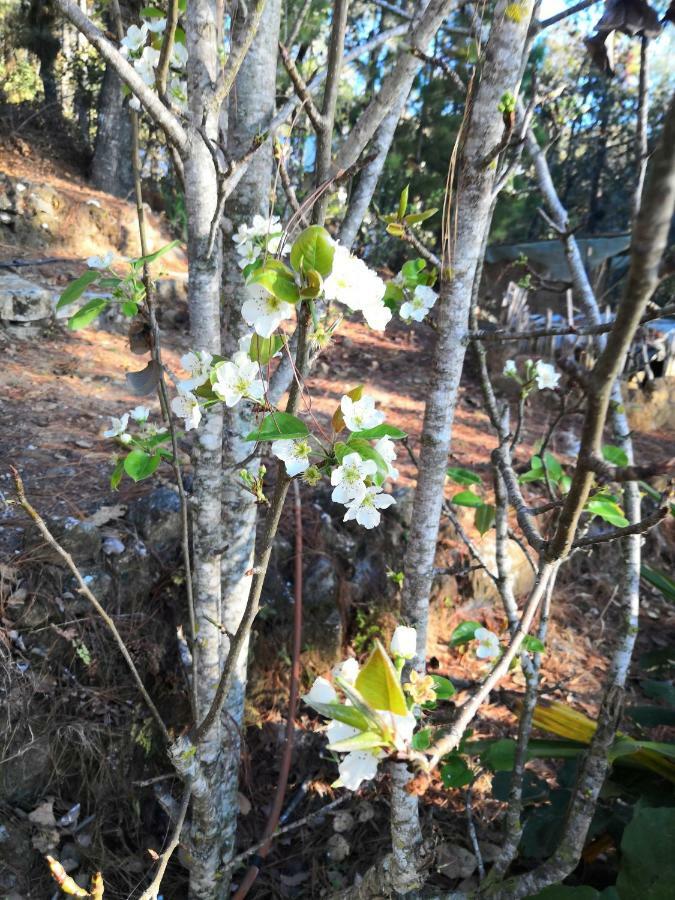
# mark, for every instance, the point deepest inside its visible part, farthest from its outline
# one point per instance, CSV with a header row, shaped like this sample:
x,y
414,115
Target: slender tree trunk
x,y
251,106
111,169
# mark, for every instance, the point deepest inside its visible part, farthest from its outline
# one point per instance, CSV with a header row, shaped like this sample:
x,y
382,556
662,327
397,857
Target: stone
x,y
343,821
455,861
158,520
337,848
23,301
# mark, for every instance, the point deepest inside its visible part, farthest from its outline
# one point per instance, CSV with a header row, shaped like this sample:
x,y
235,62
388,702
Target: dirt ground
x,y
57,390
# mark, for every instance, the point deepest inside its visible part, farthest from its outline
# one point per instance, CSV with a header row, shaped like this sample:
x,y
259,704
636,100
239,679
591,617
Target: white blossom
x,y
186,406
322,691
242,235
238,379
248,253
261,226
366,510
348,670
179,55
338,731
488,644
546,376
360,414
145,66
117,426
134,39
422,300
294,454
244,343
404,642
140,414
387,450
510,367
156,25
351,282
198,364
357,767
376,314
348,479
401,726
100,262
264,311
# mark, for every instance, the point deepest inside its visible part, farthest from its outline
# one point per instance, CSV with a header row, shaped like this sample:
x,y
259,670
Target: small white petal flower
x,y
402,727
117,426
377,315
360,414
264,311
404,642
274,243
387,450
156,25
422,300
179,55
488,644
135,103
238,379
348,479
366,510
347,670
140,414
100,262
338,731
242,235
322,691
351,282
510,367
135,38
186,406
357,767
248,253
295,455
145,66
546,376
198,364
244,343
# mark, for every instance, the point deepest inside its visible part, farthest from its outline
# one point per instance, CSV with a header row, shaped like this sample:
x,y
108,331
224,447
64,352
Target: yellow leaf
x,y
379,683
97,886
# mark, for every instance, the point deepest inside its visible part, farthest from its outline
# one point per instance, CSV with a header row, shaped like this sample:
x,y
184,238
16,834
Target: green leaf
x,y
341,450
533,644
615,455
455,773
151,12
393,295
263,349
313,249
138,464
379,683
76,288
463,476
465,632
608,510
647,858
248,270
444,688
395,229
151,257
278,280
349,715
403,201
659,690
116,475
422,739
662,582
86,315
129,308
565,892
467,498
651,716
379,431
156,439
416,218
366,740
553,467
375,721
484,517
279,426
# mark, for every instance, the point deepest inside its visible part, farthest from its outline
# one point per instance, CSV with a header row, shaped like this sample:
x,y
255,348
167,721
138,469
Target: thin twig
x,y
152,891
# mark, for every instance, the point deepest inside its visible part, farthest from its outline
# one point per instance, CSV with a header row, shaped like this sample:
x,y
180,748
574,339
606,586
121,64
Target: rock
x,y
343,822
490,852
652,408
23,302
113,546
455,861
337,848
157,519
365,811
81,539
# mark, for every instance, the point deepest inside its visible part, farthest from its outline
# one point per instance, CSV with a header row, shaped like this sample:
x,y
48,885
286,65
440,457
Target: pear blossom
x,y
274,243
238,379
156,25
140,414
134,39
376,314
546,376
262,226
322,691
402,727
264,311
422,300
510,368
186,406
179,55
100,262
338,731
248,253
404,642
360,414
295,455
198,364
312,476
488,644
117,427
347,670
244,343
242,236
352,283
366,510
387,450
348,479
146,64
356,767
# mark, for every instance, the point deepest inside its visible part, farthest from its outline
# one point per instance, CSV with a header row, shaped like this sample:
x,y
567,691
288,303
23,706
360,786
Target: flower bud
x,y
404,642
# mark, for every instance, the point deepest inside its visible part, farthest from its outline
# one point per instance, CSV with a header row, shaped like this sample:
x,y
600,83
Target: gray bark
x,y
111,169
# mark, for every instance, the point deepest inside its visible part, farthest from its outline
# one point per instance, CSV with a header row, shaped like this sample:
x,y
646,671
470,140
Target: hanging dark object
x,y
631,17
145,381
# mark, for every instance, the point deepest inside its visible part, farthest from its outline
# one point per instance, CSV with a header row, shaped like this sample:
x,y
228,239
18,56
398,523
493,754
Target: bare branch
x,y
229,73
301,89
152,891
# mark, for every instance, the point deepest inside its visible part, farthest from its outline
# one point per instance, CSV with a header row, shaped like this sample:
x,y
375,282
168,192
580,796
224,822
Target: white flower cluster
x,y
419,304
544,374
145,57
262,236
352,283
118,427
361,765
